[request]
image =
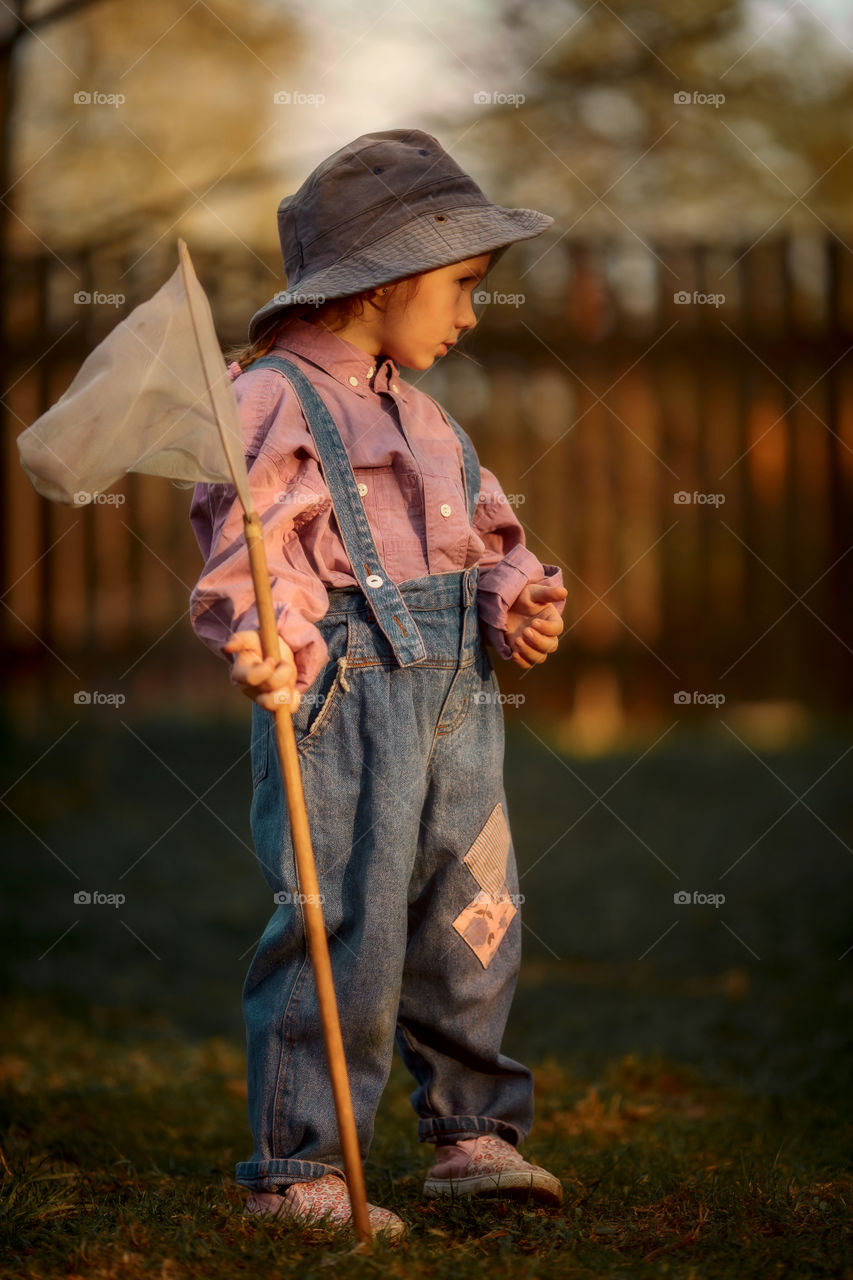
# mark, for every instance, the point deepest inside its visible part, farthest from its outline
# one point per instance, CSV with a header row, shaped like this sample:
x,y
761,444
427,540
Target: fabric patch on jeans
x,y
486,859
484,922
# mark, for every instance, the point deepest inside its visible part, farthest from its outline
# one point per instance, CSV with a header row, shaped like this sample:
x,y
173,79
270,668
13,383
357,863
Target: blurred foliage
x,y
599,118
598,141
198,84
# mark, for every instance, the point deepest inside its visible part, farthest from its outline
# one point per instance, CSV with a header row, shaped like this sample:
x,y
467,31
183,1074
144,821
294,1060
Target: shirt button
x,y
371,371
374,580
353,381
362,488
394,387
445,508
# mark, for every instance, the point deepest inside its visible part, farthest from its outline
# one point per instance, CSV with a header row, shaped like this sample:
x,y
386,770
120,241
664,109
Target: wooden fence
x,y
674,425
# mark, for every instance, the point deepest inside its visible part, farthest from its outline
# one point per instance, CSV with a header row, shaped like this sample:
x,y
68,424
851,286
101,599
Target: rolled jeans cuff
x,y
447,1129
270,1175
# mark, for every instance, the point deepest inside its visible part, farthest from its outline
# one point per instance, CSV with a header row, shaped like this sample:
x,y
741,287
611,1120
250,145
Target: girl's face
x,y
415,330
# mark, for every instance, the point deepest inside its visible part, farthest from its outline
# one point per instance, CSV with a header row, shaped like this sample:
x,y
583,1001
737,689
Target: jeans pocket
x,y
319,704
315,706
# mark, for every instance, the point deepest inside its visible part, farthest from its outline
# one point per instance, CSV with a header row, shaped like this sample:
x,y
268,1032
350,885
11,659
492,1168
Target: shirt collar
x,y
345,362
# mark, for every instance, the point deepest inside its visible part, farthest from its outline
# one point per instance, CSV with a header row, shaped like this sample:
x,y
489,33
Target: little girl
x,y
392,555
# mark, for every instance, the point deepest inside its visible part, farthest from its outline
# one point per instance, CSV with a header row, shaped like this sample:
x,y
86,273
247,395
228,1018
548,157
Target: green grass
x,y
120,1145
692,1092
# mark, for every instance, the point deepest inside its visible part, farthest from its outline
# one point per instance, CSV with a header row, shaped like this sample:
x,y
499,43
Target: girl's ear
x,y
378,297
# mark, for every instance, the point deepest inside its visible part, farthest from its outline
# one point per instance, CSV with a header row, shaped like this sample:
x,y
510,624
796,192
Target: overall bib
x,y
401,744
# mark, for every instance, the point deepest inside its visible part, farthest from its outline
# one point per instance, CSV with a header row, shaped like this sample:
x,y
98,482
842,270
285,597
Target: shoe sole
x,y
542,1187
391,1231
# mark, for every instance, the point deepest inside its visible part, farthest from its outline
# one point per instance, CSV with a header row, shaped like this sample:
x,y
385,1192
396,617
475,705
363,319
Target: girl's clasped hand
x,y
534,626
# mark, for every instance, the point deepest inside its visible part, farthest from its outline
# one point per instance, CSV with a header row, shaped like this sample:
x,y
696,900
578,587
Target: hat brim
x,y
427,242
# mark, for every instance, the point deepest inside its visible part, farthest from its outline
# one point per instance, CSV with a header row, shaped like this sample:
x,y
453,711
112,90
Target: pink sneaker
x,y
489,1166
321,1202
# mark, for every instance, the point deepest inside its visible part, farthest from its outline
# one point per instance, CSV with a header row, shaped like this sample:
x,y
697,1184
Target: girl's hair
x,y
333,315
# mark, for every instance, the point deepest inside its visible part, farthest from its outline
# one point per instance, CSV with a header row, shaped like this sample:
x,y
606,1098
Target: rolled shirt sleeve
x,y
507,566
288,492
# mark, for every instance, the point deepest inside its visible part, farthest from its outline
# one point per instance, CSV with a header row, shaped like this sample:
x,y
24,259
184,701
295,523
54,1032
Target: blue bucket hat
x,y
388,205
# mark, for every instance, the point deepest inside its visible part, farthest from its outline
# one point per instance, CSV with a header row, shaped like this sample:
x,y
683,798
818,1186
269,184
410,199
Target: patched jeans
x,y
402,771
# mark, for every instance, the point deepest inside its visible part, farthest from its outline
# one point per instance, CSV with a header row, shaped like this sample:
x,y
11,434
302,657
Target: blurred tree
x,y
600,118
135,116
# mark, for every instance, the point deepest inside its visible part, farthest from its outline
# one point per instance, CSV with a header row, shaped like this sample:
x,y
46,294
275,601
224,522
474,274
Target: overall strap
x,y
383,595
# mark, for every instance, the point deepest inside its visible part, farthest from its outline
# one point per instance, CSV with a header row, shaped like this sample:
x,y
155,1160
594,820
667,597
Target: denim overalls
x,y
401,742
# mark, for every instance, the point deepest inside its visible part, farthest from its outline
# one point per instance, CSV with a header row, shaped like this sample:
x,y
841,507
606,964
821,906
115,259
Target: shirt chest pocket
x,y
385,491
393,504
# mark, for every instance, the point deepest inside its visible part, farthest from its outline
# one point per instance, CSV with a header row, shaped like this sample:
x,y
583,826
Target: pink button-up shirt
x,y
408,466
